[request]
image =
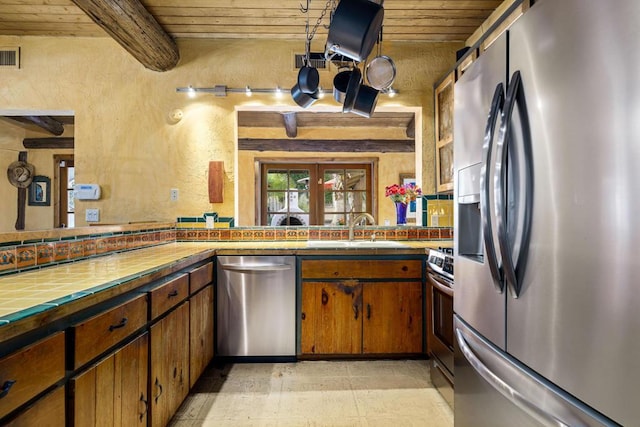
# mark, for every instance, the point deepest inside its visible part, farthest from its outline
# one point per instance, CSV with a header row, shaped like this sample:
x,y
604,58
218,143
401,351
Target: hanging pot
x,y
365,101
303,99
340,83
355,80
354,29
308,79
381,72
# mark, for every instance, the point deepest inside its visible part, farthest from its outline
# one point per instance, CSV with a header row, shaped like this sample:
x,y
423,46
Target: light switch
x,y
92,215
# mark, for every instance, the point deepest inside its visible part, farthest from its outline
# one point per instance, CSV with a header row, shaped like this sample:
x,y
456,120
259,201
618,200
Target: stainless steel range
x,y
440,329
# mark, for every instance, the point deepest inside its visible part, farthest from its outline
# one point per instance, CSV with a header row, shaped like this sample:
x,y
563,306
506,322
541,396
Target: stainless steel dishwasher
x,y
256,306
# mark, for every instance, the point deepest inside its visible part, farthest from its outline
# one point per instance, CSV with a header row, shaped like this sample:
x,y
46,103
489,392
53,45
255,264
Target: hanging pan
x,y
354,29
355,80
340,83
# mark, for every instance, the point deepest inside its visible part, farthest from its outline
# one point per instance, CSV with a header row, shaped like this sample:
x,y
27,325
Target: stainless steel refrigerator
x,y
547,221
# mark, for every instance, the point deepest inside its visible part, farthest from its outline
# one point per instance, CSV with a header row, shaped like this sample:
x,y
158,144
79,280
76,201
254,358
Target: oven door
x,y
440,333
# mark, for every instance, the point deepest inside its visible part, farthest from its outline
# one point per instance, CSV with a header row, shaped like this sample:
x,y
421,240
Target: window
x,y
314,194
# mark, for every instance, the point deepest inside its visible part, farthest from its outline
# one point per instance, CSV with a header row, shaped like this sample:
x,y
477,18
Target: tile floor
x,y
316,393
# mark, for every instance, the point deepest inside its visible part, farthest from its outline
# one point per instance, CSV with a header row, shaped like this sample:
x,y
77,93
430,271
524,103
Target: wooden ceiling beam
x,y
328,146
57,143
290,124
411,128
49,124
136,30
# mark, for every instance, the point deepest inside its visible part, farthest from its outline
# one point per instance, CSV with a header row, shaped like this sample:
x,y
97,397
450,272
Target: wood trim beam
x,y
136,30
47,123
411,128
35,143
290,124
328,146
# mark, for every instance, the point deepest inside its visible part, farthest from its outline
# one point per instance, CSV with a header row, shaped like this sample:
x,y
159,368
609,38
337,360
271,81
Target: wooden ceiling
x,y
405,20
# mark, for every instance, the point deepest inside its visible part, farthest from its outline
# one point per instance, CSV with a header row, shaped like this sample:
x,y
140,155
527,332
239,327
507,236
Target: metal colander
x,y
381,72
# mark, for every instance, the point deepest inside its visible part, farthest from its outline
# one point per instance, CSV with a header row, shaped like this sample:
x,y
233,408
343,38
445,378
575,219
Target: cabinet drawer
x,y
168,295
200,277
48,411
29,371
95,335
362,269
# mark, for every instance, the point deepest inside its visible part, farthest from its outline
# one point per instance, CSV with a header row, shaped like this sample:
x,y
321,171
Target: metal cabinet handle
x,y
146,406
122,324
158,385
6,387
368,311
173,293
355,310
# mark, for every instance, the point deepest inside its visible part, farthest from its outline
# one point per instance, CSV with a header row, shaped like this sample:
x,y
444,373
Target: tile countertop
x,y
26,294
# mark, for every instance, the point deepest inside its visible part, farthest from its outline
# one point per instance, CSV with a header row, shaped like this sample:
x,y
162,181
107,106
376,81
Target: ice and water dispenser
x,y
469,231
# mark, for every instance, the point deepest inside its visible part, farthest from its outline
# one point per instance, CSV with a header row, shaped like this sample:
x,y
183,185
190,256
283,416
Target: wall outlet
x,y
174,194
92,215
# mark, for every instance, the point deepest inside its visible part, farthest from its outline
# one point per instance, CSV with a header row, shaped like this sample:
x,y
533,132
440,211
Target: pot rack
x,y
222,90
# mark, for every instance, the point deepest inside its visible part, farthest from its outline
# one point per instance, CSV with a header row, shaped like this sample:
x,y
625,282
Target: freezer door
x,y
493,389
479,297
577,320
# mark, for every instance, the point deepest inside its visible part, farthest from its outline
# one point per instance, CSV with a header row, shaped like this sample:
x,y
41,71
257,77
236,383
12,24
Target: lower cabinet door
x,y
113,392
47,411
331,320
392,319
201,333
169,365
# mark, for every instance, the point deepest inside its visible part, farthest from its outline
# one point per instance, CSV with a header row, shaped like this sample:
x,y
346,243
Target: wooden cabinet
x,y
331,318
113,392
200,333
30,371
94,336
169,370
45,412
392,317
444,133
364,306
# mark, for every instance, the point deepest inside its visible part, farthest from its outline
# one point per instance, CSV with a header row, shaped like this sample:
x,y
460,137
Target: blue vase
x,y
401,213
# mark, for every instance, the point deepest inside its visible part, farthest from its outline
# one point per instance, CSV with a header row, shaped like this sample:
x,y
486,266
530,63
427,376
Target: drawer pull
x,y
173,293
122,324
6,387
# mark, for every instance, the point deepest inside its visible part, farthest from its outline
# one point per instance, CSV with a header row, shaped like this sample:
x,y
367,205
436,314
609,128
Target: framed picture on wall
x,y
409,178
40,191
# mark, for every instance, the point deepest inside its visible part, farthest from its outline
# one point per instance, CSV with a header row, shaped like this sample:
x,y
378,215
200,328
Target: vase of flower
x,y
402,195
401,213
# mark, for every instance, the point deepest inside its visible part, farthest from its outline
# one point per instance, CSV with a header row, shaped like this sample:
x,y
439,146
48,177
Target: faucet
x,y
354,220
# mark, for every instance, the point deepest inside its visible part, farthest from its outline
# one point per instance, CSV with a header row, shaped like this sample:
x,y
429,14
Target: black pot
x,y
303,99
365,101
340,83
354,28
355,80
308,79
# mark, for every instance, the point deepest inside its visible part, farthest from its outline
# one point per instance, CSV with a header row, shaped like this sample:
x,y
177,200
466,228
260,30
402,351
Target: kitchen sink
x,y
355,244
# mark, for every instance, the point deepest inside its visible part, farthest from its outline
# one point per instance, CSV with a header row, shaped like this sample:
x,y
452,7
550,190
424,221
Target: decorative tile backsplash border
x,y
36,253
312,233
44,250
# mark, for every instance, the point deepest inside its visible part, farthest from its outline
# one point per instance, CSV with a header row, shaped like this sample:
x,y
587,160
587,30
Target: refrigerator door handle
x,y
487,229
548,405
513,271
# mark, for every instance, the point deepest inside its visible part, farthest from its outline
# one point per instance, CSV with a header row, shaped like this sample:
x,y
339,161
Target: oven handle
x,y
440,285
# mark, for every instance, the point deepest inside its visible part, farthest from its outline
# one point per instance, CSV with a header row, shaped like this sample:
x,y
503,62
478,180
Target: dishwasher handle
x,y
256,268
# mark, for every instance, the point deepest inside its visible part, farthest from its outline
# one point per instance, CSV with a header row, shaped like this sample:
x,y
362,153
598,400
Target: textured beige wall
x,y
124,138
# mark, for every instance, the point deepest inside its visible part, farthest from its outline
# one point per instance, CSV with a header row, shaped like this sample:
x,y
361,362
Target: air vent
x,y
315,58
10,57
